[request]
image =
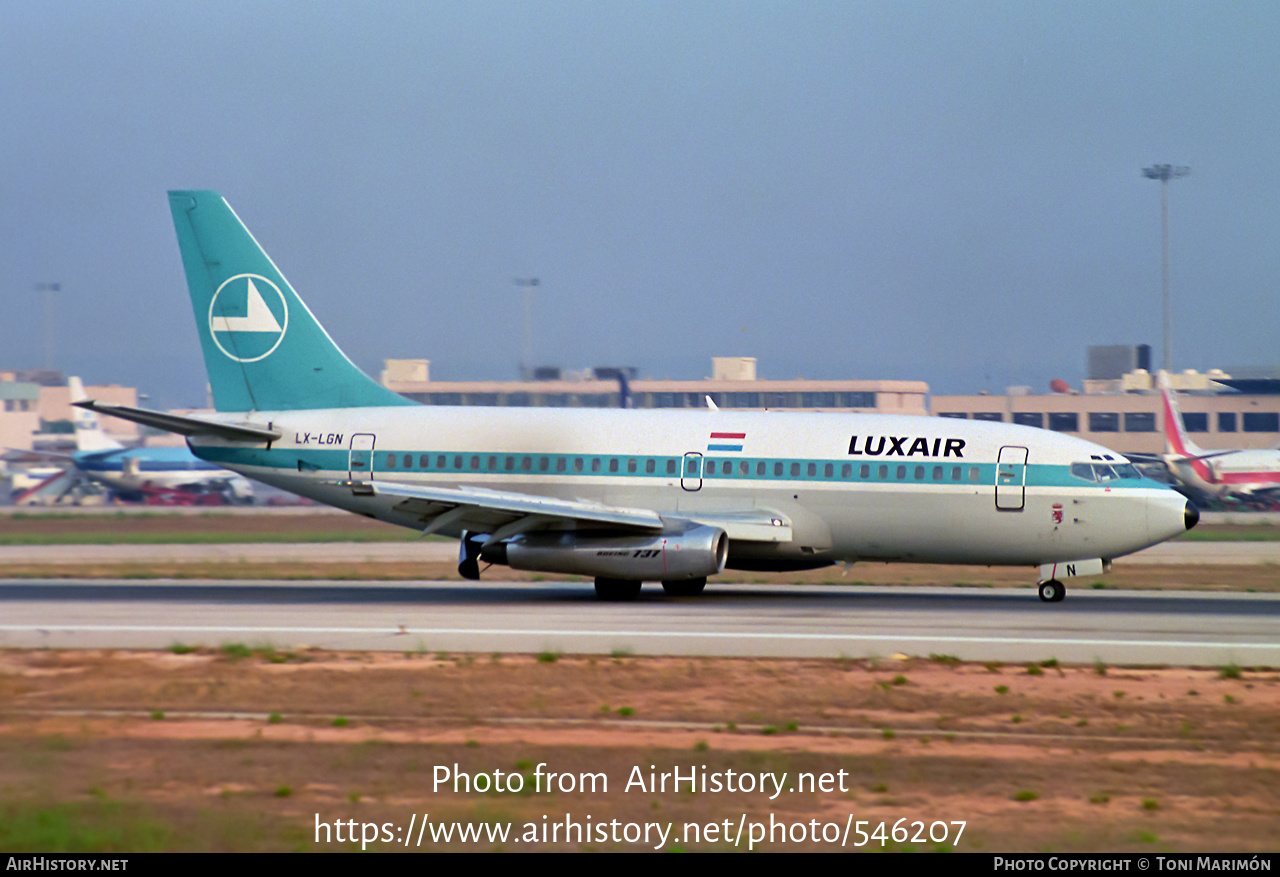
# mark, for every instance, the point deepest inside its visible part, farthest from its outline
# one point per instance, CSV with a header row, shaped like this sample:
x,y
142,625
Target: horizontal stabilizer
x,y
189,426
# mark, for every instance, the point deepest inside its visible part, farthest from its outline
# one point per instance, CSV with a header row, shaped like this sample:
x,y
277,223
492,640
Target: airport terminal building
x,y
1123,413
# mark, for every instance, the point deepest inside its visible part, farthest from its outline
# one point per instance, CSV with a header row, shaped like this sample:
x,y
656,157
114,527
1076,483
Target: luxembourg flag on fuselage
x,y
720,441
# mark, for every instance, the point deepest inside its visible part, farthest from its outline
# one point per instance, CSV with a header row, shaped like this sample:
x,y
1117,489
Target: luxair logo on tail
x,y
248,317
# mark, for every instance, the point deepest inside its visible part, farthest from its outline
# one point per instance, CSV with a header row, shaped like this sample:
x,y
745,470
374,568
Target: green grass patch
x,y
94,826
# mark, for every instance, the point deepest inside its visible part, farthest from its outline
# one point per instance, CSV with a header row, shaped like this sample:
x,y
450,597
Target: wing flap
x,y
500,507
481,510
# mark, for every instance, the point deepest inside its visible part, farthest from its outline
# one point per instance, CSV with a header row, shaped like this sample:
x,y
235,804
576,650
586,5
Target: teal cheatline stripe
x,y
608,466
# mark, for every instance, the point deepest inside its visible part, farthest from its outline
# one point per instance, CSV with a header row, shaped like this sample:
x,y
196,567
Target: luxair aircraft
x,y
627,496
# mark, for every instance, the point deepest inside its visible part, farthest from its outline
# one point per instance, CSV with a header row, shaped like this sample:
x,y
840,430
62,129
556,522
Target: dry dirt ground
x,y
233,750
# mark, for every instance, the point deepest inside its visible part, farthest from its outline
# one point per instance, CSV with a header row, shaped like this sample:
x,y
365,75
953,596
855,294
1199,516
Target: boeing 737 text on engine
x,y
626,495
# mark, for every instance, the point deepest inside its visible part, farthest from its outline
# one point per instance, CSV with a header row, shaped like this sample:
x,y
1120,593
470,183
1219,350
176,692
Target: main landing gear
x,y
619,590
1052,591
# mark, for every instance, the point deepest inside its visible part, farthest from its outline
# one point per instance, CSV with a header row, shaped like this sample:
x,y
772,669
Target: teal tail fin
x,y
263,349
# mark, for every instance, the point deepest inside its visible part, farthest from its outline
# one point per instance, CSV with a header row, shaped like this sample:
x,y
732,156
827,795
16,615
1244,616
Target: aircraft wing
x,y
504,514
184,425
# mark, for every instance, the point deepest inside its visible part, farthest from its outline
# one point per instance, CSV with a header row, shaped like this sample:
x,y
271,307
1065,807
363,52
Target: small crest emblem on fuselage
x,y
248,317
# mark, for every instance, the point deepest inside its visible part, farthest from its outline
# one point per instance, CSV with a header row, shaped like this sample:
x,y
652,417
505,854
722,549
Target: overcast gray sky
x,y
949,192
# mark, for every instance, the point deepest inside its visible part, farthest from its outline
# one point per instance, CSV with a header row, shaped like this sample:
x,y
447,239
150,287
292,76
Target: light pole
x,y
48,289
526,358
1164,173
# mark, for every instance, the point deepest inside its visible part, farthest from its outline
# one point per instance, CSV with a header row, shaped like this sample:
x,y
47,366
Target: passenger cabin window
x,y
744,468
613,465
777,469
902,473
595,465
441,461
631,465
671,467
650,466
408,461
973,474
761,468
424,462
391,461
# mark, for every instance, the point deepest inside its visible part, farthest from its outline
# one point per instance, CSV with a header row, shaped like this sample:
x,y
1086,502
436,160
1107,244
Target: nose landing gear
x,y
1052,591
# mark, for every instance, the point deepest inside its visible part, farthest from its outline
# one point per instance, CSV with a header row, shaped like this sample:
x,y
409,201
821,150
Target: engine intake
x,y
691,554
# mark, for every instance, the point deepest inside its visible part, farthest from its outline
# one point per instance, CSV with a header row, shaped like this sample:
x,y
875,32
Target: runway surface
x,y
1116,627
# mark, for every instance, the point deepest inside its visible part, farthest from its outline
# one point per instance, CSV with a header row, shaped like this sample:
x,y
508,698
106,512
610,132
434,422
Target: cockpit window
x,y
1103,472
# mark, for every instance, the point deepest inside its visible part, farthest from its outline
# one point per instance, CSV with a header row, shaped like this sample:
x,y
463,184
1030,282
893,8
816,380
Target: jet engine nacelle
x,y
692,554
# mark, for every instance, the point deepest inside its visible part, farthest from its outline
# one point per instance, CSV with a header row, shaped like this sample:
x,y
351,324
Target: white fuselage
x,y
852,486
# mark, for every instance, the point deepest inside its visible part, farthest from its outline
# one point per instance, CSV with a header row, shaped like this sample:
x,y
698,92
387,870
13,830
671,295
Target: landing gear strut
x,y
1052,591
685,587
617,590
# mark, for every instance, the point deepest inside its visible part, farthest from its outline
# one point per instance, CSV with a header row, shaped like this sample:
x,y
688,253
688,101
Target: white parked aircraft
x,y
132,470
627,496
1243,475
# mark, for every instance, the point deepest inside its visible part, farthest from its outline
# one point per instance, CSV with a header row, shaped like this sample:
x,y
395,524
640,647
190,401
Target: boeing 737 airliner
x,y
627,496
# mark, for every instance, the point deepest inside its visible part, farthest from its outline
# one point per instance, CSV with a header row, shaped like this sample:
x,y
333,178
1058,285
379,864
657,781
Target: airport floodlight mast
x,y
526,358
1164,173
48,289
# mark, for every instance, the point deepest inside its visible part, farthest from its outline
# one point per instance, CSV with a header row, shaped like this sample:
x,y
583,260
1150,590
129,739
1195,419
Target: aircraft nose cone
x,y
1191,515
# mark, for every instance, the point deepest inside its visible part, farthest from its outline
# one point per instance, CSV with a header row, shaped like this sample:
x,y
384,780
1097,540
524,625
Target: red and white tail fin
x,y
1175,433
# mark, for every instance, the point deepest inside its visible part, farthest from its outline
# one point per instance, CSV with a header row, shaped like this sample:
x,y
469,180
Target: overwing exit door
x,y
691,474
